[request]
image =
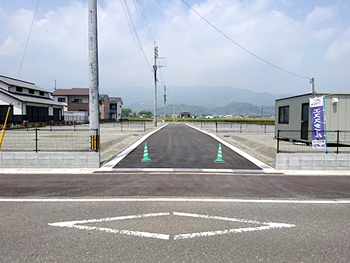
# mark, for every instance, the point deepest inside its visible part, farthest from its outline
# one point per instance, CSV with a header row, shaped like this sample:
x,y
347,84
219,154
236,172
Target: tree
x,y
126,112
146,113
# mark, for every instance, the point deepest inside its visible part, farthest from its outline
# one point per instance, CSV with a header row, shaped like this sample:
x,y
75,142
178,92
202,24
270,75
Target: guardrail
x,y
290,141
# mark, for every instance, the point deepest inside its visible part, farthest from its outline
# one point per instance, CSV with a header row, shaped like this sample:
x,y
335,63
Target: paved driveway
x,y
180,146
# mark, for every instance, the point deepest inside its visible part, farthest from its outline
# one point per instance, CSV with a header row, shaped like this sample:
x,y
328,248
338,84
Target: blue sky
x,y
307,38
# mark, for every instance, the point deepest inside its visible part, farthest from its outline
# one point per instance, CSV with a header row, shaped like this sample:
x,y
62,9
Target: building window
x,y
283,115
41,93
61,99
31,91
77,101
19,89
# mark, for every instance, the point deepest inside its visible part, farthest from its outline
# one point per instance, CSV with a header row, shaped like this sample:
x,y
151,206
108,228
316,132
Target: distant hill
x,y
201,100
234,108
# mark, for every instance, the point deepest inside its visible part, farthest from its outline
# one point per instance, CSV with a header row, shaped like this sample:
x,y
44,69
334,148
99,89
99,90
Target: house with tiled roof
x,y
29,102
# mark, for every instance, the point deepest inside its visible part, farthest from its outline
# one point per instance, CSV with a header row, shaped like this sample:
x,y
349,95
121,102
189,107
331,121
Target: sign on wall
x,y
318,122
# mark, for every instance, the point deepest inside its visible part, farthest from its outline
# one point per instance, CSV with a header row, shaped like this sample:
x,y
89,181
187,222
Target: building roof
x,y
316,94
20,83
32,99
71,92
115,100
103,96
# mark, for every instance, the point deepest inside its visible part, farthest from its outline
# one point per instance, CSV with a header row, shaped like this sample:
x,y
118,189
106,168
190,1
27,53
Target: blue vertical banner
x,y
318,123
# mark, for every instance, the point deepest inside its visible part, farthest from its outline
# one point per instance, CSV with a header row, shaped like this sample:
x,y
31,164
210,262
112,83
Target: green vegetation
x,y
126,112
248,121
145,113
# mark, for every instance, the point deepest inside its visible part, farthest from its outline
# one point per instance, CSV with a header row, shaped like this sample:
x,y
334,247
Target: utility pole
x,y
93,78
312,81
164,102
155,67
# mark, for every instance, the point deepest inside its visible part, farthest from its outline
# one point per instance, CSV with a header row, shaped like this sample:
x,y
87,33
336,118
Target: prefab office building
x,y
293,114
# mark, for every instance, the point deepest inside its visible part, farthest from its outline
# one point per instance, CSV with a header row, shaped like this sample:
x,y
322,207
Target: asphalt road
x,y
180,146
177,216
174,184
173,231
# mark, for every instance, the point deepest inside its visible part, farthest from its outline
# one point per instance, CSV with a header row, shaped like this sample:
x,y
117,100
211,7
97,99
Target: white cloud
x,y
340,49
320,14
196,53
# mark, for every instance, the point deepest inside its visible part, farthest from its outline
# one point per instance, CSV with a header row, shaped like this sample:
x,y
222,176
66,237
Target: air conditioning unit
x,y
334,100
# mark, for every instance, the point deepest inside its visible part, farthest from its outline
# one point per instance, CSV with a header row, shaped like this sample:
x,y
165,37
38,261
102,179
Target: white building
x,y
293,114
29,102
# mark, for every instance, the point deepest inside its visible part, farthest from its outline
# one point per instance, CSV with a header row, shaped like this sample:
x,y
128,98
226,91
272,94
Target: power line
x,y
135,34
246,50
143,19
30,32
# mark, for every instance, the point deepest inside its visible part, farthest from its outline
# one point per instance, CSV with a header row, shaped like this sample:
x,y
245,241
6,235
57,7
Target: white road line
x,y
82,226
247,156
184,200
266,226
78,225
113,162
70,223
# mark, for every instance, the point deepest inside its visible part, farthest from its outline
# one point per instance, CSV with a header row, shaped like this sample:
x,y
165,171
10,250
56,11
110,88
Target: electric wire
x,y
30,32
143,20
240,46
135,35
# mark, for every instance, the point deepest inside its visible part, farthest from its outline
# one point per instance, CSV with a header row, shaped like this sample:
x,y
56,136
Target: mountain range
x,y
201,100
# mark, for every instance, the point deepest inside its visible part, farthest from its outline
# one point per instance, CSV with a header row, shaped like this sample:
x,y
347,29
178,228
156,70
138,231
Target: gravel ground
x,y
258,144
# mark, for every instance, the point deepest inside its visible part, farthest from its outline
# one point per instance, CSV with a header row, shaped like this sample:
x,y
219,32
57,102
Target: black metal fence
x,y
47,139
139,126
239,127
296,141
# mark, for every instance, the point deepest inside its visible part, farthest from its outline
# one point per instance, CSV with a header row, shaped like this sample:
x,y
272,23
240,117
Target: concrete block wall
x,y
304,161
65,160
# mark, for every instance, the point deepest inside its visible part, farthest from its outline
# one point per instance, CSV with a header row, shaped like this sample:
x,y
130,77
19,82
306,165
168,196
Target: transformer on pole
x,y
94,115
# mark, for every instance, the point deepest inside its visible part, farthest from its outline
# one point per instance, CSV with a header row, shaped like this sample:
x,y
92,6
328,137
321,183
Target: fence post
x,y
338,141
36,140
121,126
216,126
240,127
278,141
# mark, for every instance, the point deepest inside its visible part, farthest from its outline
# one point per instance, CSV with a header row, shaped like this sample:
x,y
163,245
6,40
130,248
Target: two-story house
x,y
115,110
76,102
29,103
104,106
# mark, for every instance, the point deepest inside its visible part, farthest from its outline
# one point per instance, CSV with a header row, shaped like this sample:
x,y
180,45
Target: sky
x,y
272,46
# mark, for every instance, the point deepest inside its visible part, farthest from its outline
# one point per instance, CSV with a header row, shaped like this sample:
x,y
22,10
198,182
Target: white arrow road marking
x,y
79,225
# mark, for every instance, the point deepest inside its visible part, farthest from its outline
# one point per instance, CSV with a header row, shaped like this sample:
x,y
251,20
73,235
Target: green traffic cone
x,y
145,154
219,157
